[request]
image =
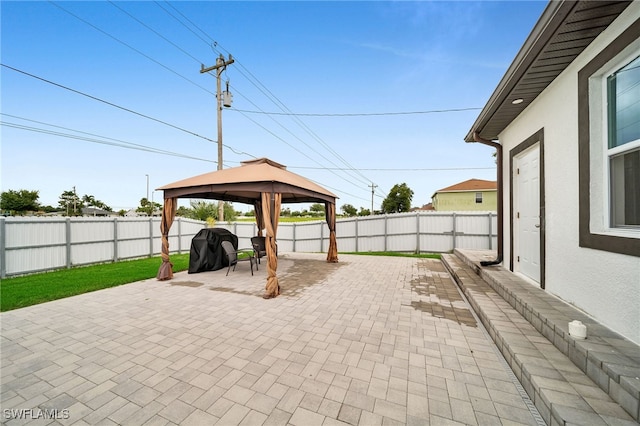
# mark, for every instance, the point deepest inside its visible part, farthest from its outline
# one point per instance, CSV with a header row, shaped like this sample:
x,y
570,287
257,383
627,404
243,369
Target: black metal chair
x,y
259,247
232,256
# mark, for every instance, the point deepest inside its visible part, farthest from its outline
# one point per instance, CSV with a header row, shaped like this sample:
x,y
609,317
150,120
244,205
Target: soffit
x,y
563,31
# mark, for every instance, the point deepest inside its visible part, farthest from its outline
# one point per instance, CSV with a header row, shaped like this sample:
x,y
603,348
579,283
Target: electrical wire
x,y
131,47
361,114
103,141
116,143
124,109
253,80
154,31
267,93
301,123
293,146
407,169
363,179
261,87
107,102
182,23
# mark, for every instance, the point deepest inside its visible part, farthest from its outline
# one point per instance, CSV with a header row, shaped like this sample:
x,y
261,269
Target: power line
x,y
122,144
269,94
182,23
123,108
107,102
261,87
178,47
303,125
404,169
363,114
154,31
130,47
149,149
103,141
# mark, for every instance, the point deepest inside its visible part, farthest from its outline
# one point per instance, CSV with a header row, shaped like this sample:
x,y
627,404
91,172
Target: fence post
x,y
385,231
357,234
179,235
151,236
294,238
3,244
115,239
490,232
68,241
453,234
417,232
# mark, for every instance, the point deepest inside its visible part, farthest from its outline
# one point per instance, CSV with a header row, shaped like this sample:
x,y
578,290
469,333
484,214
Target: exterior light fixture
x,y
517,101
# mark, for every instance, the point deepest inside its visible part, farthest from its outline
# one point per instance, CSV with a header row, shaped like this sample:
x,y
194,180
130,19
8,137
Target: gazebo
x,y
263,183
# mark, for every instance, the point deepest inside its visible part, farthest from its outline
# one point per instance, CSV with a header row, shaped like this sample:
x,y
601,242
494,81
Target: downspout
x,y
498,148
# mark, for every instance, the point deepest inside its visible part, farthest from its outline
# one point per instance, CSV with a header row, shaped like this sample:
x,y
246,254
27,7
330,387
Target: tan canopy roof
x,y
247,182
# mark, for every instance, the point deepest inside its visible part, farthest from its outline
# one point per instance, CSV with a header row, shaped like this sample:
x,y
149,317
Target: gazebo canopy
x,y
246,183
263,183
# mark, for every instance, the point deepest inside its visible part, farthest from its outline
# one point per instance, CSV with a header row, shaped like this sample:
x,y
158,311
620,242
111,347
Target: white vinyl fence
x,y
30,245
35,244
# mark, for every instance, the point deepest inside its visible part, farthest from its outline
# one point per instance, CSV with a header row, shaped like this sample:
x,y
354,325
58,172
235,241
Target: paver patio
x,y
367,341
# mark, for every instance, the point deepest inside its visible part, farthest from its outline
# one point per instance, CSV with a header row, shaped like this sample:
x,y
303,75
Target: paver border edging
x,y
608,366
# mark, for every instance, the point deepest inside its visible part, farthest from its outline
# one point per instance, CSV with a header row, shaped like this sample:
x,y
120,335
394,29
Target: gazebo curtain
x,y
168,214
257,206
271,203
330,213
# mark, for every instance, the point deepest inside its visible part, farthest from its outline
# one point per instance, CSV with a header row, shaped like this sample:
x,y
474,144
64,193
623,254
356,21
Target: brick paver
x,y
369,340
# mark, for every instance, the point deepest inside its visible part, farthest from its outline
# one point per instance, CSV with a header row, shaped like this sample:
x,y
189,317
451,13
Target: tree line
x,y
22,202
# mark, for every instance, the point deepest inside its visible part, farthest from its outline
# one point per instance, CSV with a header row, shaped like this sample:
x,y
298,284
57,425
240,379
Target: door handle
x,y
538,226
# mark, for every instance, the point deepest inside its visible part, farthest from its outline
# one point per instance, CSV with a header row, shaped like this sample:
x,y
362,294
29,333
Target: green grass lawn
x,y
28,290
20,292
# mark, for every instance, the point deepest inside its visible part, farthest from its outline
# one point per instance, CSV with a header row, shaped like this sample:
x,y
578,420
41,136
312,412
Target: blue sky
x,y
342,59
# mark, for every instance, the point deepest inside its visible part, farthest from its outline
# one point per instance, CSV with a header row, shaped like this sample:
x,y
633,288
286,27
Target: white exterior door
x,y
527,213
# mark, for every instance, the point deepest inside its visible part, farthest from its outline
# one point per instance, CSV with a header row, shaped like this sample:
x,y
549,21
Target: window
x,y
478,197
623,153
609,146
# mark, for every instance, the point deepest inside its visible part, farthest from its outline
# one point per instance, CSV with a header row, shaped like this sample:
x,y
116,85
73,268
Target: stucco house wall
x,y
465,201
603,284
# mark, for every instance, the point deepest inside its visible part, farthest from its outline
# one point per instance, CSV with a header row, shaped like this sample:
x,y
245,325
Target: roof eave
x,y
552,17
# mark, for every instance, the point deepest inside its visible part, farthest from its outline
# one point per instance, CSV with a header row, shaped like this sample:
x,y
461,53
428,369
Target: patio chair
x,y
260,247
232,256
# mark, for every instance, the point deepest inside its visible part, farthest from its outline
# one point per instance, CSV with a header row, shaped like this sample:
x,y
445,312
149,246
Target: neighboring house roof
x,y
563,31
424,207
473,185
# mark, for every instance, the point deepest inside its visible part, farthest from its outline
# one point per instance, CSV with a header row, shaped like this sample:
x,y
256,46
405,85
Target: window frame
x,y
593,148
609,153
479,199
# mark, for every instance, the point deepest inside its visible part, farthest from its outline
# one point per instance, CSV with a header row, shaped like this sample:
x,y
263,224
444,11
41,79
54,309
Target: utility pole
x,y
373,187
220,66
